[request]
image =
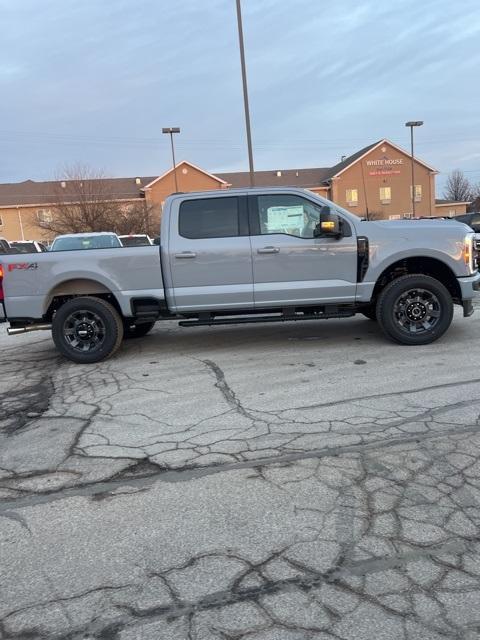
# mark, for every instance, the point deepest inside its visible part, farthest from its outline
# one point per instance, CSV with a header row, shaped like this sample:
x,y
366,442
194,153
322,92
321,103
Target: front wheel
x,y
414,309
87,329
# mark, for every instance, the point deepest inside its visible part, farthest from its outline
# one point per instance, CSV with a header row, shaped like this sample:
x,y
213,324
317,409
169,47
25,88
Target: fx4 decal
x,y
23,266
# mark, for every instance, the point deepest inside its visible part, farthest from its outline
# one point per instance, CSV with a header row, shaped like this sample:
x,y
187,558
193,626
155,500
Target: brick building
x,y
375,182
26,206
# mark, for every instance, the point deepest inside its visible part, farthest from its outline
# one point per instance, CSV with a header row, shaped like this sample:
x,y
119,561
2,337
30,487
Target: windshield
x,y
134,241
75,243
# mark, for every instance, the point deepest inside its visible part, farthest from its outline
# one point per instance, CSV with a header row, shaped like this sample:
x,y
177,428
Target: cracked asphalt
x,y
302,481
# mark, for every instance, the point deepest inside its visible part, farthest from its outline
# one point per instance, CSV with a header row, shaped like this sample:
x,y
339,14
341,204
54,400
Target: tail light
x,y
1,283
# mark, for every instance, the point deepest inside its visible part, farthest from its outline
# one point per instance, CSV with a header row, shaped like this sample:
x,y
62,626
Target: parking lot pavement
x,y
308,480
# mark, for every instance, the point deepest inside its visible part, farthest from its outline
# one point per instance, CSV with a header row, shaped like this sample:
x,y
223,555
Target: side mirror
x,y
329,224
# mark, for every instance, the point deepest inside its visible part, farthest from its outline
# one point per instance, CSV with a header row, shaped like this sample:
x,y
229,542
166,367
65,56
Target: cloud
x,y
324,79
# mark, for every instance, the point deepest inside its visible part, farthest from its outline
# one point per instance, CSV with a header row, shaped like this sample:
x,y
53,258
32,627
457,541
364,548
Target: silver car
x,y
77,241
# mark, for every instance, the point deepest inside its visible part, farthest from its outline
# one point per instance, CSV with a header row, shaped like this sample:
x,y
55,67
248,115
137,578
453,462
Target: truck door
x,y
210,254
290,265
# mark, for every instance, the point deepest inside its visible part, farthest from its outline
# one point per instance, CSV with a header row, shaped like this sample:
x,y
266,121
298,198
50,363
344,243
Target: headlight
x,y
468,252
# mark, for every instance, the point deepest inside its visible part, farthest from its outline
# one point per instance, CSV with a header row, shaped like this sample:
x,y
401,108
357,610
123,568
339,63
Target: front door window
x,y
287,214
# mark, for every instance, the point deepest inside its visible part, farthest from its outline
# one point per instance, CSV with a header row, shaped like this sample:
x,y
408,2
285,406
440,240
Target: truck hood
x,y
424,225
422,231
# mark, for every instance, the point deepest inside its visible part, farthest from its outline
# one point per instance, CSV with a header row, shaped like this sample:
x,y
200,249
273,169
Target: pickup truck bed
x,y
32,281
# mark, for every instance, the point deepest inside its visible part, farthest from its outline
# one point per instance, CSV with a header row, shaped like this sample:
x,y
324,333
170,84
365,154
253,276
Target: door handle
x,y
269,250
186,254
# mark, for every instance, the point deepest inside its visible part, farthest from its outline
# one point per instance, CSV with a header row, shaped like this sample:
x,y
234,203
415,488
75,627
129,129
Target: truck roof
x,y
241,191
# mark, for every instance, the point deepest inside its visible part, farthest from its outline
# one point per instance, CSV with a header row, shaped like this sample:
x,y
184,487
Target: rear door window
x,y
209,218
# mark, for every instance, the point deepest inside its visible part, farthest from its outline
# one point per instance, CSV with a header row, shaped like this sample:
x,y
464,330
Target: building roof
x,y
193,166
32,192
346,162
278,178
358,155
316,177
443,202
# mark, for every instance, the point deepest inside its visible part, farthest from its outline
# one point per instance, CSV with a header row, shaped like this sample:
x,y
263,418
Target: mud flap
x,y
467,308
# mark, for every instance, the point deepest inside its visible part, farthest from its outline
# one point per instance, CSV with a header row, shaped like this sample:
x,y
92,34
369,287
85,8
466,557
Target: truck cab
x,y
256,250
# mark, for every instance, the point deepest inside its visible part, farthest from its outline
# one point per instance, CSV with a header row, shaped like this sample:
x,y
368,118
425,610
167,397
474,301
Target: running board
x,y
209,321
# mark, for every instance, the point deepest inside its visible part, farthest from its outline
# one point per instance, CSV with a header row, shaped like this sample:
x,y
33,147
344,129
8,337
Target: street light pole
x,y
171,131
245,94
412,124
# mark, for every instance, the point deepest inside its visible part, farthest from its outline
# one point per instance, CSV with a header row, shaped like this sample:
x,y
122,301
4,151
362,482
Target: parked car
x,y
135,240
472,219
251,255
4,246
28,246
77,241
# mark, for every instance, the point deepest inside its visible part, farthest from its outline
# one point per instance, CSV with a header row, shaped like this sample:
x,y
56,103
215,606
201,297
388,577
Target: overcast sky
x,y
94,81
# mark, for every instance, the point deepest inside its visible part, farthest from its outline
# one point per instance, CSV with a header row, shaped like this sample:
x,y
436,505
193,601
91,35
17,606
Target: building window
x,y
385,195
352,197
451,212
407,216
1,222
44,216
394,217
418,192
209,218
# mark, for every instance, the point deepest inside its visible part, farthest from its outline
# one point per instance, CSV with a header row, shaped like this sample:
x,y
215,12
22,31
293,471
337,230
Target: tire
x,y
87,330
414,310
370,312
136,330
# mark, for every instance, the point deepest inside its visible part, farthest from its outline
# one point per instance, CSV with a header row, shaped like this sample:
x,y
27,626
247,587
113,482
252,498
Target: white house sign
x,y
384,166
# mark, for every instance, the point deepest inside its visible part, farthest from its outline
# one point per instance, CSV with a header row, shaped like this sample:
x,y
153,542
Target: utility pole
x,y
412,124
245,94
171,131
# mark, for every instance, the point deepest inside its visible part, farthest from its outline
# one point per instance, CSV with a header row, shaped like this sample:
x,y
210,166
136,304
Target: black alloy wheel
x,y
84,331
414,309
417,310
87,329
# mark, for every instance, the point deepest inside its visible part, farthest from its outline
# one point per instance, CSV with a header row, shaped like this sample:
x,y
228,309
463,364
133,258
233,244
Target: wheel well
x,y
423,266
78,287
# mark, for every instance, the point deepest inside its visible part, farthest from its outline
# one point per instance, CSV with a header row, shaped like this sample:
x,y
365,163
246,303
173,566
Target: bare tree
x,y
457,188
84,201
475,198
374,215
137,217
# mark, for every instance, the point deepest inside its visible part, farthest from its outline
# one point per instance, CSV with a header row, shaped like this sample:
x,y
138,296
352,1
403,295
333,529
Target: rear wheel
x,y
87,329
136,330
414,310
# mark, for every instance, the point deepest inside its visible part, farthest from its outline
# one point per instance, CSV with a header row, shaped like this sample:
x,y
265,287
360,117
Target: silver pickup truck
x,y
247,255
